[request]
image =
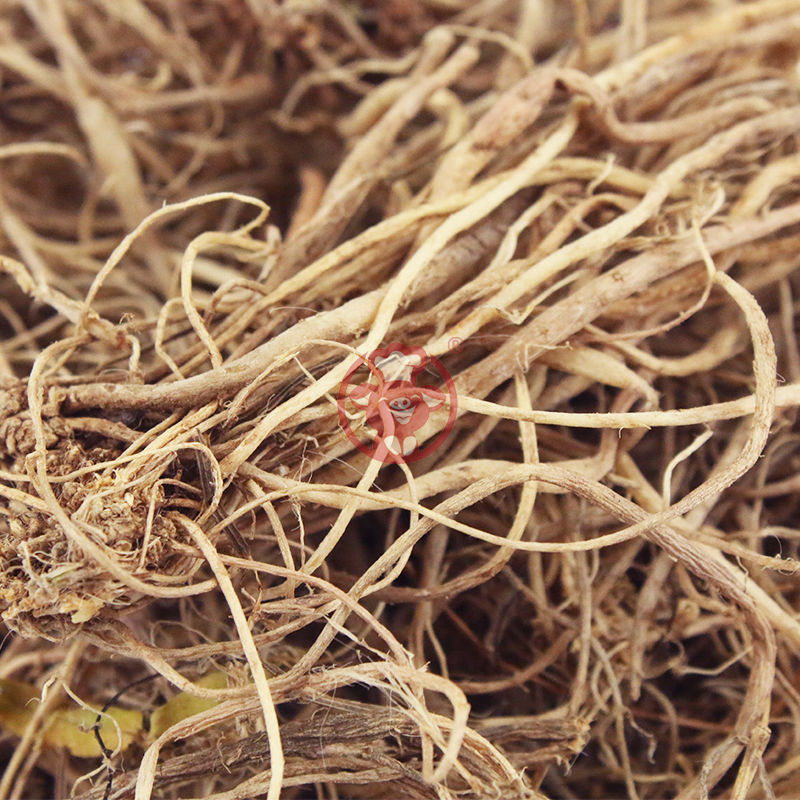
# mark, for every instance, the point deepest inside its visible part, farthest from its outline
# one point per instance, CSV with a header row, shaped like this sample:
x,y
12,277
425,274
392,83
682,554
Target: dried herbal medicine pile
x,y
399,399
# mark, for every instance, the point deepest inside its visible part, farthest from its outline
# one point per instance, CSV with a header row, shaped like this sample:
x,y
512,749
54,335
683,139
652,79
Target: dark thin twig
x,y
96,730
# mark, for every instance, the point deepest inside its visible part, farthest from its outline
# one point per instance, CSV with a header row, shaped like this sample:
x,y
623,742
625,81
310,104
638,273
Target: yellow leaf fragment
x,y
185,705
71,728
